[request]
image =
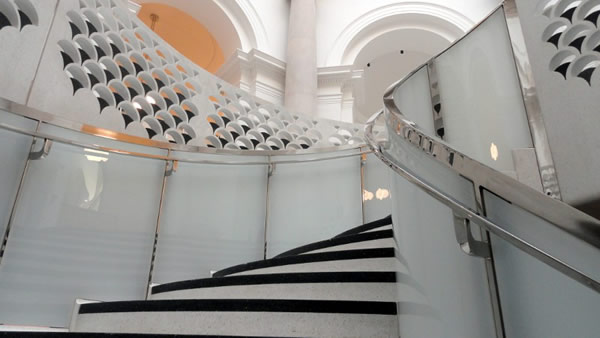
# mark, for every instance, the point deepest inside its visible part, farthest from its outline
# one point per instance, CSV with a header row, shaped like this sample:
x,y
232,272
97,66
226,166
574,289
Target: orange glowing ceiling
x,y
185,34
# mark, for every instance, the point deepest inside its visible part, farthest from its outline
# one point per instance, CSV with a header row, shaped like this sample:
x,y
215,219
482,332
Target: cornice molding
x,y
264,76
337,76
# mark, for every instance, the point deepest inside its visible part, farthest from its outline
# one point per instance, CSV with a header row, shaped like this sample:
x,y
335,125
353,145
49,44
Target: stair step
x,y
32,334
335,260
335,242
368,226
362,285
379,243
234,316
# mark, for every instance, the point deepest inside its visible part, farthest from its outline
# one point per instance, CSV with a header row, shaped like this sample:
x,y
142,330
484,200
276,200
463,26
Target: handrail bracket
x,y
271,169
464,237
171,167
43,152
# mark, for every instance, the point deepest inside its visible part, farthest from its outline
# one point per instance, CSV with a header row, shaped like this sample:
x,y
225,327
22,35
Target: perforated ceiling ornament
x,y
17,14
126,66
574,32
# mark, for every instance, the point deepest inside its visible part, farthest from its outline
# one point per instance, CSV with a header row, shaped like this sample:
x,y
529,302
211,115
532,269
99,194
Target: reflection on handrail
x,y
463,211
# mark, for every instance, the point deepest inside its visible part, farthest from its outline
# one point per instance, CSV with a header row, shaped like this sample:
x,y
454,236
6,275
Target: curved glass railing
x,y
533,263
87,212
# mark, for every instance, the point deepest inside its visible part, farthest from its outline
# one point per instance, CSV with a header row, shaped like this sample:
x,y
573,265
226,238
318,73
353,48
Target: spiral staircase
x,y
138,174
340,287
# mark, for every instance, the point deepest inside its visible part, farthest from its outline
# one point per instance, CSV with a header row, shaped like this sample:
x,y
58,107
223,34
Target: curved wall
x,y
184,33
107,69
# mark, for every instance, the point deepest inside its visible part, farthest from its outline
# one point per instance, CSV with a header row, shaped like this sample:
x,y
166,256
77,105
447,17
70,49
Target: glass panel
x,y
376,195
312,201
14,150
413,99
84,228
430,170
213,217
538,301
482,105
442,292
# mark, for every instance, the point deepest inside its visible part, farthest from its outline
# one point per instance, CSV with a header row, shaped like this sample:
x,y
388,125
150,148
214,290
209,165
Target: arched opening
x,y
388,58
174,26
389,42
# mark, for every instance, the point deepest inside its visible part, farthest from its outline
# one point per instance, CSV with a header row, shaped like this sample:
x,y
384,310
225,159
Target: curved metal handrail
x,y
43,117
57,121
561,215
464,211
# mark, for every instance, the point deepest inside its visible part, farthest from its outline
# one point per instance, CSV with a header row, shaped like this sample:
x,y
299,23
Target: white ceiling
x,y
209,14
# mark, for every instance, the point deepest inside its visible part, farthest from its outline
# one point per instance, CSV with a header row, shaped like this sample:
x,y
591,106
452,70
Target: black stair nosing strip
x,y
243,305
280,278
110,334
355,238
387,220
309,258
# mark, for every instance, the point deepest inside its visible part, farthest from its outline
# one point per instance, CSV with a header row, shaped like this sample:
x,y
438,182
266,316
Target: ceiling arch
x,y
234,24
435,18
173,25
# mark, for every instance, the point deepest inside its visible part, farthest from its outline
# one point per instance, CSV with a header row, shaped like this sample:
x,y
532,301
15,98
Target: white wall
x,y
274,17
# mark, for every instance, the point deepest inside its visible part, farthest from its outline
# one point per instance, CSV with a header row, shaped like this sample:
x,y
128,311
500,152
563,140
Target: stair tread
x,y
387,220
280,278
109,334
309,258
335,241
242,305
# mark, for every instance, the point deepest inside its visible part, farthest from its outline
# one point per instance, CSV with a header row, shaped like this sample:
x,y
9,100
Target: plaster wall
x,y
274,17
335,16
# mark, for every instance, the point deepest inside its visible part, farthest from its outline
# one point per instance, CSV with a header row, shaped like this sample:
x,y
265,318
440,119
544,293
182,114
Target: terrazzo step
x,y
367,240
361,286
385,222
270,317
377,259
33,334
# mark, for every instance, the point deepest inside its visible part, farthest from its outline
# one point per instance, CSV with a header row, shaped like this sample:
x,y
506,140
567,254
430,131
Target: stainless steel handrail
x,y
49,119
580,224
559,214
464,211
564,216
37,115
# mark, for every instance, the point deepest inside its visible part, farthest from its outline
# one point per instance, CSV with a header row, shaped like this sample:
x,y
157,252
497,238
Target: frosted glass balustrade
x,y
481,100
429,170
413,100
377,197
84,228
442,292
312,201
537,300
14,150
213,217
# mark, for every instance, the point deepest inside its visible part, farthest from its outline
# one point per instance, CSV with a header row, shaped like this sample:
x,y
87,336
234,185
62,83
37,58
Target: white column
x,y
301,73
